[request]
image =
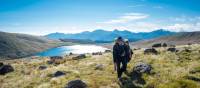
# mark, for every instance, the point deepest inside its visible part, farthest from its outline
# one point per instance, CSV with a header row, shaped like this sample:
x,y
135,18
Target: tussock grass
x,y
169,71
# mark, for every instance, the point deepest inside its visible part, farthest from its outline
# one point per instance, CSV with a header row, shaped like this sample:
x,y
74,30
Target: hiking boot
x,y
120,79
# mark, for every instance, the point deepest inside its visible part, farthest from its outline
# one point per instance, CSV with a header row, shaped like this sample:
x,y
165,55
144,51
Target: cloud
x,y
139,5
184,18
127,18
188,27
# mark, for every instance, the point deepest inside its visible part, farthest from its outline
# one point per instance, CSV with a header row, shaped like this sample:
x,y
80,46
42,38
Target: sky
x,y
41,17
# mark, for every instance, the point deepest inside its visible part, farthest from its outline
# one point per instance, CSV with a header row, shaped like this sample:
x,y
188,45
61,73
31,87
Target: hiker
x,y
119,57
128,51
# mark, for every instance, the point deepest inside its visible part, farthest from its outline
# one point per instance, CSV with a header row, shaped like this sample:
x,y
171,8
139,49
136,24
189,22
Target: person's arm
x,y
115,57
131,53
114,53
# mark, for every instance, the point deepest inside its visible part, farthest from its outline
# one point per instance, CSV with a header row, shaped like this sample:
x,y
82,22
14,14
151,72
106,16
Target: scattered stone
x,y
172,49
142,68
56,57
193,78
97,53
56,60
42,67
150,51
164,45
58,73
1,64
70,53
157,45
49,62
136,48
194,71
6,69
188,50
76,84
108,51
99,67
80,56
173,46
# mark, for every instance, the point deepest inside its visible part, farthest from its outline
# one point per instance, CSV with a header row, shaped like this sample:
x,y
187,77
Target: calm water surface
x,y
75,49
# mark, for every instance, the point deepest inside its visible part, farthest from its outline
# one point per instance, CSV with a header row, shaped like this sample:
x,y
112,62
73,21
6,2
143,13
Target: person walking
x,y
118,57
128,51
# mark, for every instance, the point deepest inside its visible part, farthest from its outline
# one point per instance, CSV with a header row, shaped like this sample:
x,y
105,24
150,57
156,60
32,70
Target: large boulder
x,y
1,64
108,51
6,69
42,67
157,45
76,84
99,67
97,53
56,57
70,53
58,74
56,60
142,68
80,56
171,49
150,51
164,45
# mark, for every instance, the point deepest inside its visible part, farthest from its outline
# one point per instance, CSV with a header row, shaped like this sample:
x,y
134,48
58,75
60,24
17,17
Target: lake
x,y
75,49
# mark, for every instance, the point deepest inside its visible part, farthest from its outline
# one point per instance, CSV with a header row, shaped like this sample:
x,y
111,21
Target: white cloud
x,y
127,18
139,5
184,18
184,27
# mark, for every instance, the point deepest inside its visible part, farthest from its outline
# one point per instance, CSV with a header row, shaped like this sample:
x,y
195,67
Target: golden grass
x,y
169,71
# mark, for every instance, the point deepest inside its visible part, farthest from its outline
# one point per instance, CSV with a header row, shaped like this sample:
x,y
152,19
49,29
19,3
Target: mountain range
x,y
100,35
181,38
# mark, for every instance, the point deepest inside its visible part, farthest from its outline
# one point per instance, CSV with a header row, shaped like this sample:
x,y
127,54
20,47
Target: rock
x,y
173,46
6,69
136,48
49,62
171,49
80,56
56,60
99,67
70,53
142,68
188,50
108,51
56,57
150,51
42,67
76,84
157,45
193,78
1,64
164,45
58,73
97,53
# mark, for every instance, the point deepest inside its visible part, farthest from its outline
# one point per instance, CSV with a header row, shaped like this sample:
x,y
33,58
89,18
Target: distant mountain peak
x,y
104,35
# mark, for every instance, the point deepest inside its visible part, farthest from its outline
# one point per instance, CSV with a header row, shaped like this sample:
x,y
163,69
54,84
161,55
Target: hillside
x,y
14,45
108,36
176,39
170,70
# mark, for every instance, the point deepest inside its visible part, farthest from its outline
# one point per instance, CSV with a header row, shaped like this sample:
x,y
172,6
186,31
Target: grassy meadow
x,y
170,70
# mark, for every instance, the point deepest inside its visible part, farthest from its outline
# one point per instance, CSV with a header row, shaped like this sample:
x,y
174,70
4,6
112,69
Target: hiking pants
x,y
121,69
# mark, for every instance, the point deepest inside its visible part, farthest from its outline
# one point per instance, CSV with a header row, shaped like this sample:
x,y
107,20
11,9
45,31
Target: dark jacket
x,y
118,52
128,52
